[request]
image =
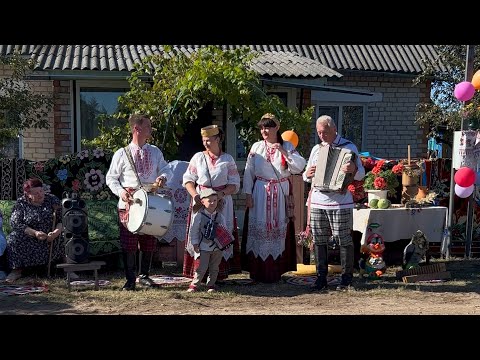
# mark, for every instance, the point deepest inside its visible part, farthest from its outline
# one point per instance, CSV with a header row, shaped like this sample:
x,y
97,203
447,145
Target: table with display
x,y
400,223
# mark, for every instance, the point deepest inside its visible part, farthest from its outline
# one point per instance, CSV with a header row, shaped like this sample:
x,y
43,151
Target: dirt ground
x,y
460,296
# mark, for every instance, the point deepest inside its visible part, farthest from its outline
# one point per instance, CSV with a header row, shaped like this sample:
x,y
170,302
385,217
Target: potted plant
x,y
382,177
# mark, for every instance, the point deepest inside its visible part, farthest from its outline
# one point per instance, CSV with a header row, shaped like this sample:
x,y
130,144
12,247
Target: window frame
x,y
340,106
97,84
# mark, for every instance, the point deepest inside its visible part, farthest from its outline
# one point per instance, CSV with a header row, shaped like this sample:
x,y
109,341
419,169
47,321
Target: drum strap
x,y
124,217
129,156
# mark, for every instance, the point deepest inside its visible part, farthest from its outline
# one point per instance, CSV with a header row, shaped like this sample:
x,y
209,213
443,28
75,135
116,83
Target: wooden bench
x,y
92,265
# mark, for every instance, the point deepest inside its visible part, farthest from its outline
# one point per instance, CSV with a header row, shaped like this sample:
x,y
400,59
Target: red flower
x,y
380,183
356,188
398,169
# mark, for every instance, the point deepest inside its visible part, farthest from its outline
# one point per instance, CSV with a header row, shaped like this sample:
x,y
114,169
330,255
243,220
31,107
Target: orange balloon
x,y
476,80
290,135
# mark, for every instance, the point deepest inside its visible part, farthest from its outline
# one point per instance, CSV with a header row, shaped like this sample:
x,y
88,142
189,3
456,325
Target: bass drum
x,y
150,214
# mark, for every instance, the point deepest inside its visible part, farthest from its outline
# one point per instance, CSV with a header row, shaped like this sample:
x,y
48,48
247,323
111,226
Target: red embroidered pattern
x,y
270,153
143,162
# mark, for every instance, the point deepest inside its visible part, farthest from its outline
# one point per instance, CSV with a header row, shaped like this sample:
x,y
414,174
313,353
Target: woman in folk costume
x,y
214,169
268,239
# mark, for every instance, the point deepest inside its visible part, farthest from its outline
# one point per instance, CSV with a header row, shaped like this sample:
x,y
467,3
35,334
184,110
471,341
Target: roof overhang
x,y
329,93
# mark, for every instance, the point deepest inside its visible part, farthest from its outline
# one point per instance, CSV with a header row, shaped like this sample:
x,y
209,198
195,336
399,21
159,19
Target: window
x,y
12,149
348,107
348,118
96,98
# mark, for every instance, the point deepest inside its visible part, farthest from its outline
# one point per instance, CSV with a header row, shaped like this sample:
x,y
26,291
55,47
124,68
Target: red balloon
x,y
465,177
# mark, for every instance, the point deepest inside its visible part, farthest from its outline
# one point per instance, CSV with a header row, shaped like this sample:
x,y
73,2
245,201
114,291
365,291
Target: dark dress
x,y
24,250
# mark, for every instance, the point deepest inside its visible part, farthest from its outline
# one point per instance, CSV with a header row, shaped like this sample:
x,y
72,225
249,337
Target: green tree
x,y
444,112
20,107
172,88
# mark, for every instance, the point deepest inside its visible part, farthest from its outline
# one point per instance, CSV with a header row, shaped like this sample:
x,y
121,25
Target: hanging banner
x,y
466,149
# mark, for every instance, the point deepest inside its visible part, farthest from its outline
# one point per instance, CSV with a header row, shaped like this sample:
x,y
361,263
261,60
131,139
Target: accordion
x,y
328,176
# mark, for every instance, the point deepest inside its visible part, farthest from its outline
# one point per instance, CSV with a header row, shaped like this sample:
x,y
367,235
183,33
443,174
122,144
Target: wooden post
x,y
298,191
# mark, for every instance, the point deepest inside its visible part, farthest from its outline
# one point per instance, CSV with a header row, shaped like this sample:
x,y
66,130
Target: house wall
x,y
38,144
391,124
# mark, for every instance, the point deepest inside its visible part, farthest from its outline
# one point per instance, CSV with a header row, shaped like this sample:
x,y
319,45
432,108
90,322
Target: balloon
x,y
476,80
465,176
290,135
464,91
464,192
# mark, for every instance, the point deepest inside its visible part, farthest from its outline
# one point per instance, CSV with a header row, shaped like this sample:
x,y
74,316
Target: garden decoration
x,y
415,251
374,265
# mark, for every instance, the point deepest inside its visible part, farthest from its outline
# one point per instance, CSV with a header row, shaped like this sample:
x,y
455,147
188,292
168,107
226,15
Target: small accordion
x,y
328,174
223,238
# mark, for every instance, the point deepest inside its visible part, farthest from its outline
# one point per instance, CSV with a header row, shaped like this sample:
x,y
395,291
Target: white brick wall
x,y
391,123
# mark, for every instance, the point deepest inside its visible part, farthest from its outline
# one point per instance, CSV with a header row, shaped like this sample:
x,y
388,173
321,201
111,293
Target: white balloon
x,y
464,192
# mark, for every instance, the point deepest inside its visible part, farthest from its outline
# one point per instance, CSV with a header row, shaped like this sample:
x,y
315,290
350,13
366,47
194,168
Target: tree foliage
x,y
172,88
20,107
444,113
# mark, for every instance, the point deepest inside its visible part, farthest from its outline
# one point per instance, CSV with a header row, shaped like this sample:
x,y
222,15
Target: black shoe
x,y
129,286
346,283
146,281
320,284
343,287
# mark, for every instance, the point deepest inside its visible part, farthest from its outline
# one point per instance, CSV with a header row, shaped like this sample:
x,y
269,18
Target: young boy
x,y
201,234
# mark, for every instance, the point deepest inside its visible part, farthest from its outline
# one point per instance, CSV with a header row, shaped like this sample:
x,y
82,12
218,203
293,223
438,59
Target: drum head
x,y
137,211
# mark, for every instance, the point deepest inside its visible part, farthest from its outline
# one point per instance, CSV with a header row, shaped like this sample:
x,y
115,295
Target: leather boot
x,y
144,278
321,261
129,265
346,260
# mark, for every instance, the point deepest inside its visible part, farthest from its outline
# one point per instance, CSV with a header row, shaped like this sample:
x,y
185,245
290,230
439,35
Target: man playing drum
x,y
122,179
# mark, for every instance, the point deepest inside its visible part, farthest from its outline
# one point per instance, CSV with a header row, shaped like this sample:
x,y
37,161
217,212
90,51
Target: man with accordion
x,y
332,166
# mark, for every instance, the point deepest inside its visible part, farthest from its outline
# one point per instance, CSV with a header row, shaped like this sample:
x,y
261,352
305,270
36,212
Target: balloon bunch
x,y
465,180
465,90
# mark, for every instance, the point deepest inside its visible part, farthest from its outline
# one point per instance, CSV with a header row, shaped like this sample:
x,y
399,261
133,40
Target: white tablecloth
x,y
181,200
401,223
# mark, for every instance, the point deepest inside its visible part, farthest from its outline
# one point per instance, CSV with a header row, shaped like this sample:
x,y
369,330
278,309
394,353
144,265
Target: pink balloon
x,y
464,91
464,192
465,176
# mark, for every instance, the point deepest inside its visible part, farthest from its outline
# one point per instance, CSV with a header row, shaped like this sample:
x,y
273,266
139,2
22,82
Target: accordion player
x,y
328,174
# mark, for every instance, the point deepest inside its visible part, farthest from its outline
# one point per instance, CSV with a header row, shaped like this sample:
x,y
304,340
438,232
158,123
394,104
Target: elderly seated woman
x,y
36,222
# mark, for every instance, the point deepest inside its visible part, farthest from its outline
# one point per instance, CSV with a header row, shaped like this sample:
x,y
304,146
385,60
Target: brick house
x,y
368,89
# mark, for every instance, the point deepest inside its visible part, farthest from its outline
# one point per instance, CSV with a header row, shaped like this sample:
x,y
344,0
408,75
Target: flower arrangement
x,y
382,176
